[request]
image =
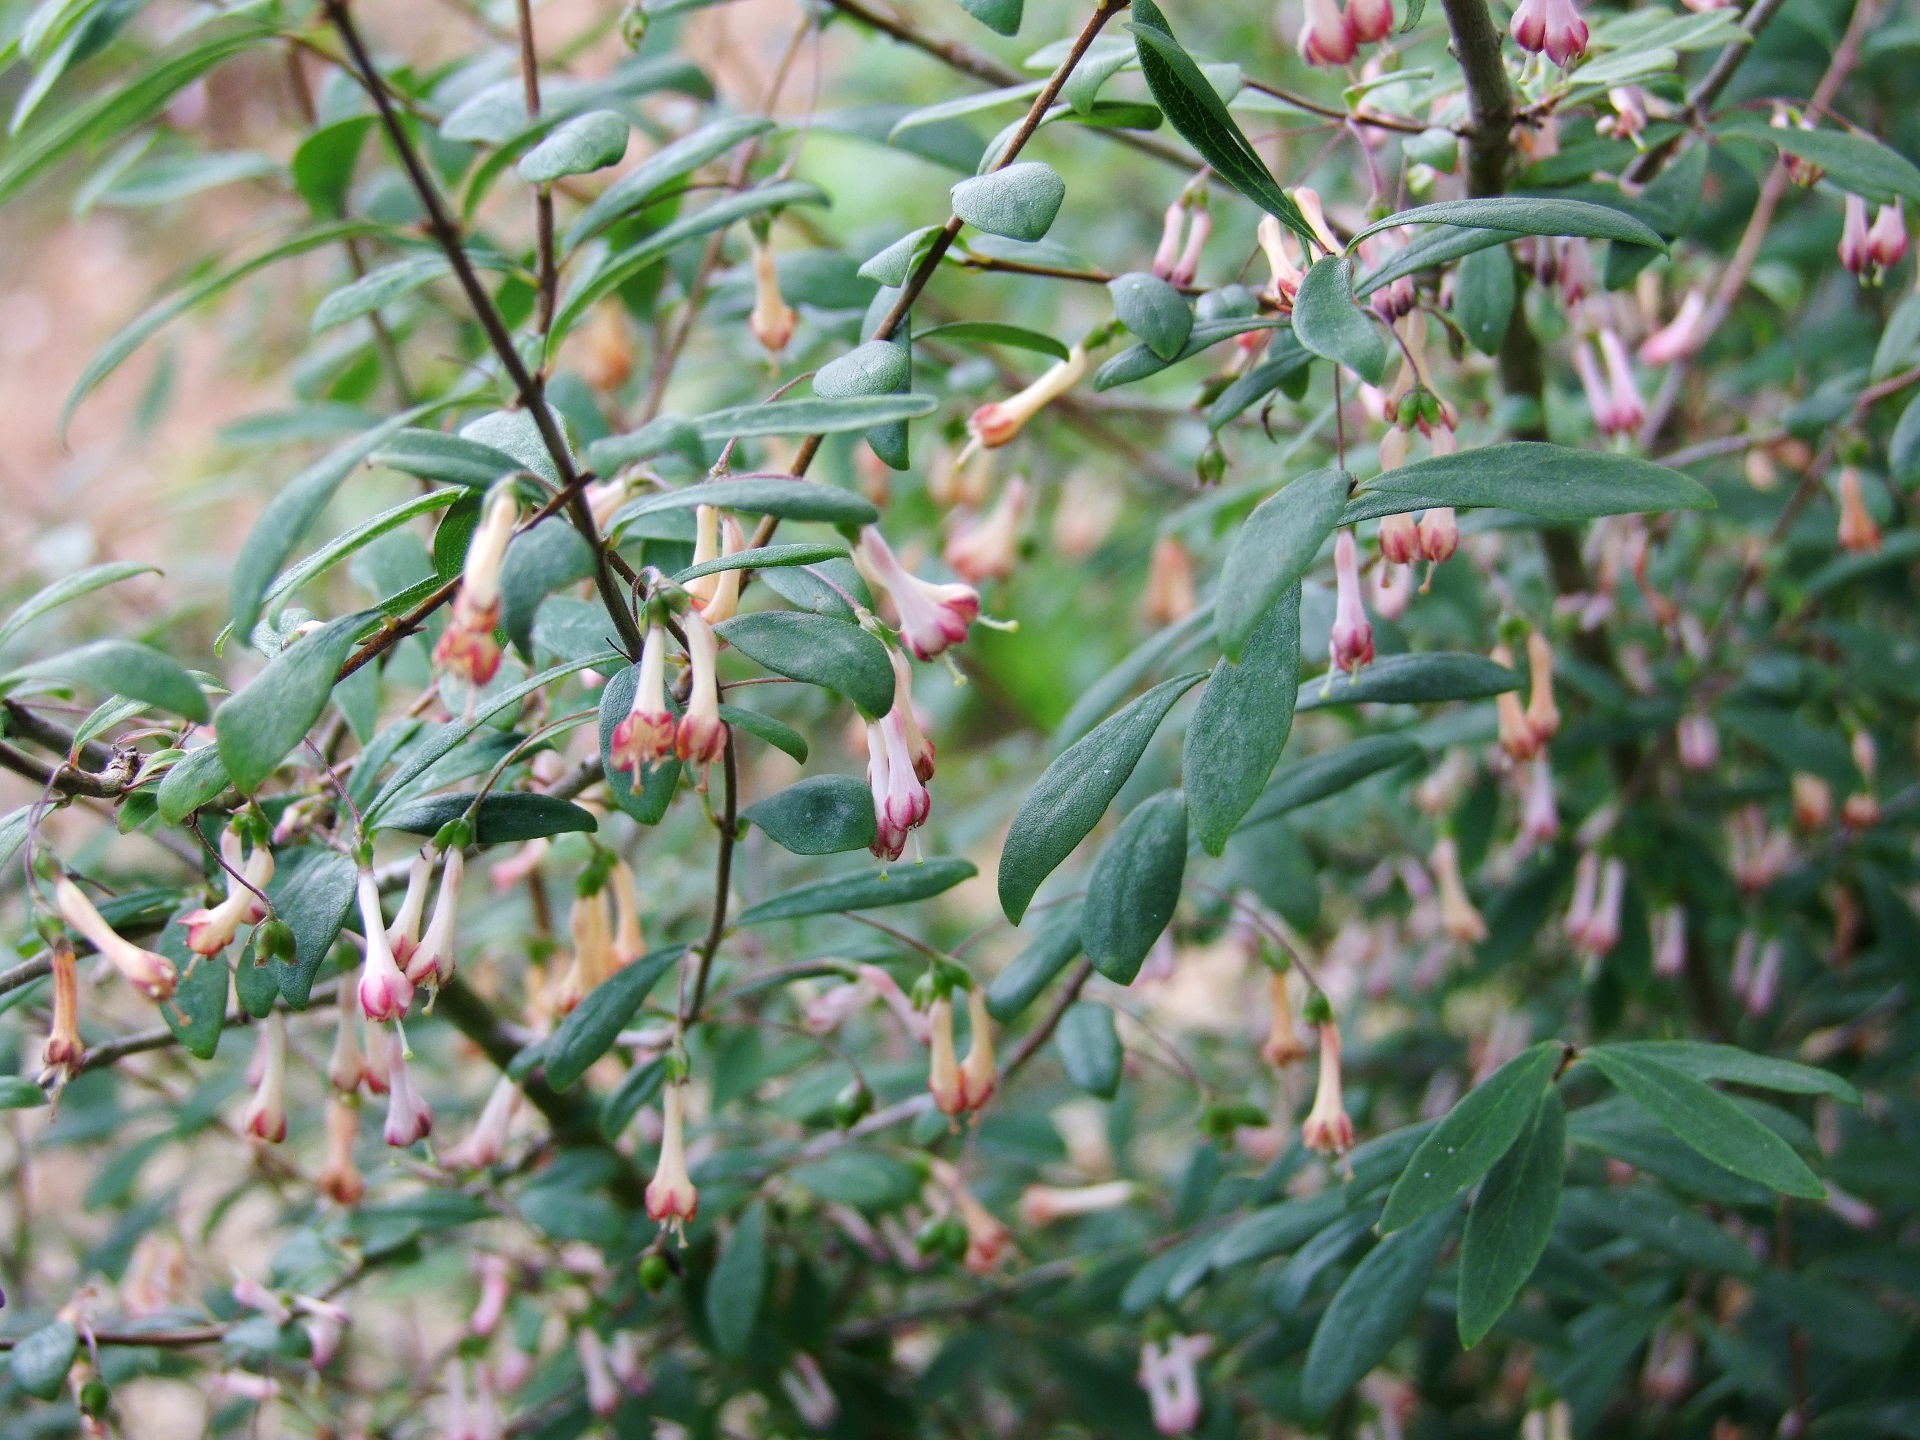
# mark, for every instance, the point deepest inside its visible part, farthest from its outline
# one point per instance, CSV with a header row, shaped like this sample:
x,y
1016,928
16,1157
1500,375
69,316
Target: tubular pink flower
x,y
772,320
1439,534
1352,638
467,648
1554,26
1171,224
487,1141
1859,533
700,737
1599,400
603,1391
1586,889
986,548
1629,410
324,1323
1199,227
211,931
646,734
152,975
1172,1381
1399,534
1856,253
1699,741
1887,240
1670,942
1543,713
901,801
943,1070
1285,284
1539,815
988,1240
347,1066
978,1074
1458,918
1308,199
1327,1128
671,1198
495,1273
919,1026
1680,336
1282,1046
629,941
340,1180
266,1114
1812,801
1390,589
1327,38
706,548
1041,1205
932,617
60,1056
433,958
1629,118
1370,20
403,935
385,991
380,1048
725,602
409,1117
1602,931
997,422
919,748
1765,984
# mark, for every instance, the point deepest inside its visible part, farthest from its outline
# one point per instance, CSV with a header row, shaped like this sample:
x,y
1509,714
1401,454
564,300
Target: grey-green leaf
x,y
1853,161
788,499
1371,1309
591,1027
312,890
1306,781
40,1361
445,459
644,796
501,819
1000,16
820,815
1473,1136
71,588
777,733
1054,944
198,1009
1271,551
816,416
765,557
1241,723
1554,482
817,650
1483,296
1512,1219
879,367
738,1282
1018,201
865,889
1153,310
1729,1063
1074,791
1411,680
1135,885
1331,325
257,727
643,184
1526,215
584,144
1707,1120
123,667
1089,1049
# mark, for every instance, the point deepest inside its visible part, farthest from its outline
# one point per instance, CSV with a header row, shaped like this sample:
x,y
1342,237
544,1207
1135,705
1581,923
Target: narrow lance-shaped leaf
x,y
1330,324
1271,552
1512,1219
1241,724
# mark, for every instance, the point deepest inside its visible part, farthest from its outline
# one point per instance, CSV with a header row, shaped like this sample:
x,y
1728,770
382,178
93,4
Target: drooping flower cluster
x,y
931,616
1333,35
1553,27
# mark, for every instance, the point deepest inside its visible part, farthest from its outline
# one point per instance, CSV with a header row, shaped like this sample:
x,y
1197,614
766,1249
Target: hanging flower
x,y
1586,889
211,931
1390,589
1856,252
997,422
1170,595
1861,810
1199,227
1629,118
949,1090
725,600
772,320
409,1117
1351,642
1887,240
1812,801
385,991
901,801
1167,254
1327,1128
487,1141
1308,199
1670,942
1681,336
978,1074
919,747
1399,534
629,942
380,1048
603,1391
931,616
1629,410
1041,1205
467,648
700,737
61,1054
988,1240
1516,735
1458,918
403,935
1765,984
495,1273
1283,1046
1543,714
1698,740
340,1179
1439,535
1327,38
646,733
1539,816
1275,243
433,958
812,1397
1170,1376
347,1066
986,548
1859,534
591,925
671,1198
1554,26
154,976
324,1323
1370,20
266,1113
1602,930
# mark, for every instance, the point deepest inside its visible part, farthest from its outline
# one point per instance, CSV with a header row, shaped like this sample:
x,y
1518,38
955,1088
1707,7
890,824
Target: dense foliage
x,y
1051,724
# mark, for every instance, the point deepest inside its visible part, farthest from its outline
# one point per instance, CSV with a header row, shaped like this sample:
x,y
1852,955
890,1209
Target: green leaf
x,y
1153,310
788,499
646,800
1623,1131
1195,109
879,367
1554,482
869,1180
1330,324
817,650
198,1010
121,667
1731,1064
812,417
1074,791
897,261
738,1282
1137,362
1089,1049
133,336
444,459
1306,781
1707,1120
1483,296
1020,981
19,1093
1000,16
538,562
1018,201
323,164
644,184
1903,446
1271,551
40,1361
1526,215
1106,692
291,580
1512,1219
1241,723
1853,161
616,269
586,143
1411,680
255,987
377,289
501,819
864,889
1899,343
591,1027
641,1087
1135,885
258,726
766,557
821,815
993,332
776,733
65,591
1276,1229
1662,1224
962,106
1474,1135
312,890
1371,1309
1284,369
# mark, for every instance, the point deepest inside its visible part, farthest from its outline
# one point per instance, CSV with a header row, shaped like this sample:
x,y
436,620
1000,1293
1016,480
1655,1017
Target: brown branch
x,y
144,1339
722,881
1476,45
545,266
30,725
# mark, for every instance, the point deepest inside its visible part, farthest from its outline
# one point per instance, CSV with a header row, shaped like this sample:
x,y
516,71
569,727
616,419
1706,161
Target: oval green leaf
x,y
1371,1310
1512,1218
1241,723
1089,1049
1554,482
122,667
820,815
1153,310
866,889
1272,550
591,1027
1411,680
1135,885
1526,215
1331,325
584,144
1018,201
817,650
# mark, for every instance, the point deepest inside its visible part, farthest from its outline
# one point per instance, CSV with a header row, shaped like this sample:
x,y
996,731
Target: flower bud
x,y
1856,253
1285,284
487,1142
996,423
60,1056
1539,816
152,975
409,1117
1517,737
978,1074
209,931
1283,1046
1670,942
1327,1128
1171,224
1681,336
495,1273
1351,642
1199,227
1041,1205
433,958
1327,38
1699,741
629,942
403,935
772,320
1859,534
266,1113
943,1072
1553,26
385,991
1543,715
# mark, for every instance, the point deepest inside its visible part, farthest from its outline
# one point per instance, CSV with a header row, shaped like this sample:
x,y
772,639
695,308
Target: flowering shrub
x,y
1352,581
